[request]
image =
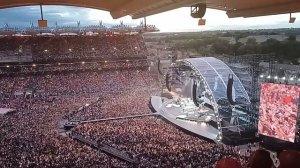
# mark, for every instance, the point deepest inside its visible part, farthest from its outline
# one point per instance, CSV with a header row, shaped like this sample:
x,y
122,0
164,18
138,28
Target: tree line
x,y
287,51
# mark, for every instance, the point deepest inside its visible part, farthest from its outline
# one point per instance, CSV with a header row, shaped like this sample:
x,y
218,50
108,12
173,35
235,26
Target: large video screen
x,y
278,111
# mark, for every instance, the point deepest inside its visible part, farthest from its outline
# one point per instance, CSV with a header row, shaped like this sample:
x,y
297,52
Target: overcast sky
x,y
171,21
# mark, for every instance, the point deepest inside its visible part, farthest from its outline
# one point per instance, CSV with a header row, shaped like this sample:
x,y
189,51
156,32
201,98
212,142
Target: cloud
x,y
63,15
22,16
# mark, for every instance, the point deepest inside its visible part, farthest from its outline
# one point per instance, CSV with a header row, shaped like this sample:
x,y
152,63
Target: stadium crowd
x,y
72,67
116,105
77,82
156,143
66,48
32,135
29,137
33,128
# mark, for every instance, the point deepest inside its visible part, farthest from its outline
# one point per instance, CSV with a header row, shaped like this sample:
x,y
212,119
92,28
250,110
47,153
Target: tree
x,y
291,38
222,47
251,47
235,47
251,42
271,46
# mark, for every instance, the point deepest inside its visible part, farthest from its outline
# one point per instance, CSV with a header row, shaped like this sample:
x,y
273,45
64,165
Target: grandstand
x,y
91,30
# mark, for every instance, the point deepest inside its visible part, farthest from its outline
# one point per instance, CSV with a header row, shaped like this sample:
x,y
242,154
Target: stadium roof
x,y
216,73
142,8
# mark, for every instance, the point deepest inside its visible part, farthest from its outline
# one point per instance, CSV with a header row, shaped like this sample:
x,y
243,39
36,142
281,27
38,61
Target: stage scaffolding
x,y
249,71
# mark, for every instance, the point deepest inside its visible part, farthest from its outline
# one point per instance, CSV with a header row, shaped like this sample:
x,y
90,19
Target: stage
x,y
186,115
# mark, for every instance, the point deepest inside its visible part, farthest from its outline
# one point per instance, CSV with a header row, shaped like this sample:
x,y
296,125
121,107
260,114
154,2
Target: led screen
x,y
278,111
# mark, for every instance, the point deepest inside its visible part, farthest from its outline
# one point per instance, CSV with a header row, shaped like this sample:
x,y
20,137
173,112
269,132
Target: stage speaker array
x,y
158,67
195,86
229,89
168,76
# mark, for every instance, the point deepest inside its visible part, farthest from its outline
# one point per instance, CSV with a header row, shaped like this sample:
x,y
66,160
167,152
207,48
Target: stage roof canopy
x,y
142,8
215,72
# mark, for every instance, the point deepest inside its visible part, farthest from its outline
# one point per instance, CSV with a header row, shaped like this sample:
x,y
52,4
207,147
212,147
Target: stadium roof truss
x,y
142,8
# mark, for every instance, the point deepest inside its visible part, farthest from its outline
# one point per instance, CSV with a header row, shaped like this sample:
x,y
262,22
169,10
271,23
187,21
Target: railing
x,y
120,154
114,118
105,148
84,139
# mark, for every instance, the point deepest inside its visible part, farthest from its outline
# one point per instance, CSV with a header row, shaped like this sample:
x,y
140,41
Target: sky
x,y
177,20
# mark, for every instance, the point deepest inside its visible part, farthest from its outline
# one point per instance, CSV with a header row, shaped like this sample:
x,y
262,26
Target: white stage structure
x,y
199,89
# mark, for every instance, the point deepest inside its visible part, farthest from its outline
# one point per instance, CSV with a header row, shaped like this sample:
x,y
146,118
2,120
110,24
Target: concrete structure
x,y
142,8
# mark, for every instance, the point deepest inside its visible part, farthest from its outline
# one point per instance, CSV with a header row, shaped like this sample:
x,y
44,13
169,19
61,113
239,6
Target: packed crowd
x,y
66,48
156,143
110,105
33,128
31,137
77,83
73,67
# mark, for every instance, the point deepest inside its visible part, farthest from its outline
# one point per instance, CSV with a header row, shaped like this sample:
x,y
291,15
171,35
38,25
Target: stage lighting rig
x,y
198,11
292,19
42,23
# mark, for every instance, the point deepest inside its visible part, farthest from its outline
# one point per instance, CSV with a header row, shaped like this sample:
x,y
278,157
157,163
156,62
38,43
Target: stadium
x,y
110,96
